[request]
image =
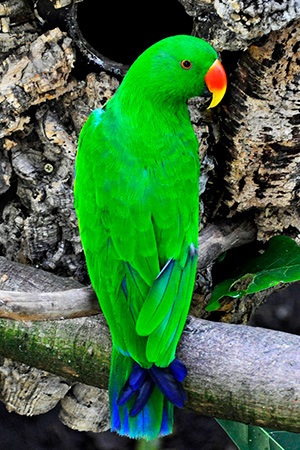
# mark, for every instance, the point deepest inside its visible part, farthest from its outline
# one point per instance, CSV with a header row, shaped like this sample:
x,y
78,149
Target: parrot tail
x,y
142,400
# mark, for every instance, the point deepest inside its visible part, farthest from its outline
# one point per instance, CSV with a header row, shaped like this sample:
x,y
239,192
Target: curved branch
x,y
218,237
243,373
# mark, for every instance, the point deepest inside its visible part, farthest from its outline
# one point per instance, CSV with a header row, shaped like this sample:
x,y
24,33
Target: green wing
x,y
138,227
165,309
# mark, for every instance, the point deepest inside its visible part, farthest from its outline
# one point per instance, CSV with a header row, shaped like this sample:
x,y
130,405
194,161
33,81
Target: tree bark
x,y
260,129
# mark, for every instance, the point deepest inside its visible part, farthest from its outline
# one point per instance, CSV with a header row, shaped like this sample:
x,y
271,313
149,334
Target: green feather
x,y
162,343
160,298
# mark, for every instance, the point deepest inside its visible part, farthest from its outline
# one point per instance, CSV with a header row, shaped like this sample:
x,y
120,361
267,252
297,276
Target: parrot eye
x,y
186,64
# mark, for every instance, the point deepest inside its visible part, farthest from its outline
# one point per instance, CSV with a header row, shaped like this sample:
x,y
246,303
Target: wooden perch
x,y
235,372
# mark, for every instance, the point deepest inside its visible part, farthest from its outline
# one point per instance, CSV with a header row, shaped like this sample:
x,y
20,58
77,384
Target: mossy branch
x,y
235,372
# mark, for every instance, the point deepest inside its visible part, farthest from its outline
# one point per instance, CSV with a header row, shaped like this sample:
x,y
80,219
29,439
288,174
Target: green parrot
x,y
136,199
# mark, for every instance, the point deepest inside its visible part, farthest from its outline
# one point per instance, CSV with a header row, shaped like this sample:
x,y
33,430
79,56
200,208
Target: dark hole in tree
x,y
122,30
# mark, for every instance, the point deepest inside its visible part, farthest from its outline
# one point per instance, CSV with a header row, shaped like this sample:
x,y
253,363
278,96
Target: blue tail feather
x,y
142,400
137,376
126,394
165,420
142,397
178,370
132,385
170,387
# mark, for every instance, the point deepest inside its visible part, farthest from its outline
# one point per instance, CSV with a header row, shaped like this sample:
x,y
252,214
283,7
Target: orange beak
x,y
216,82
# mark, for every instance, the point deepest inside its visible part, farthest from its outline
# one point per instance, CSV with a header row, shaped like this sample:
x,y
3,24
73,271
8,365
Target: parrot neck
x,y
159,126
147,97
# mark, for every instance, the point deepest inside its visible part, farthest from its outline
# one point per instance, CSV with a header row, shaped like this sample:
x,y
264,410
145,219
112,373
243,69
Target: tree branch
x,y
235,372
218,237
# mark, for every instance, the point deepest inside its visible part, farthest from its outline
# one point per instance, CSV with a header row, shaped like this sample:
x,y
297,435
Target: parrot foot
x,y
141,382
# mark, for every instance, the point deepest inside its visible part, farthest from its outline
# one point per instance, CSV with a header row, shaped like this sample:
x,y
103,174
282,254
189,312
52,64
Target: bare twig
x,y
221,236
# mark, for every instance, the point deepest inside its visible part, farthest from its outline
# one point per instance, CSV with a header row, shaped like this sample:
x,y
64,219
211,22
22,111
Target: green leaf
x,y
289,441
280,263
248,437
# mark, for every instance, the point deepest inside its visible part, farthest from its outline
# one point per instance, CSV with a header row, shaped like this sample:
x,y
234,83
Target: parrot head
x,y
178,68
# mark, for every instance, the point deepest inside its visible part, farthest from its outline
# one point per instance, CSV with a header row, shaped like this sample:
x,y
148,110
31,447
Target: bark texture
x,y
261,134
233,25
